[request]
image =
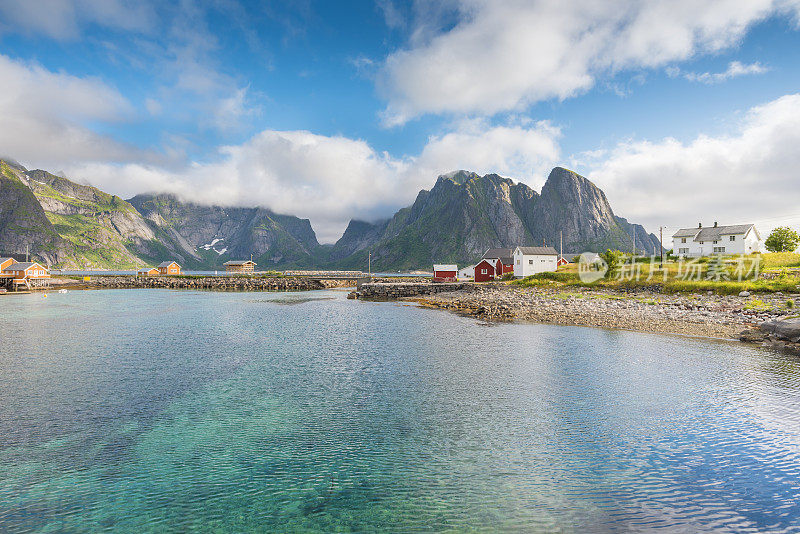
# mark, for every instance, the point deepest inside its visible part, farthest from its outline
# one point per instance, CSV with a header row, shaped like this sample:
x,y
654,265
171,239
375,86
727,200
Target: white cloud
x,y
63,19
333,179
747,176
735,68
505,54
44,114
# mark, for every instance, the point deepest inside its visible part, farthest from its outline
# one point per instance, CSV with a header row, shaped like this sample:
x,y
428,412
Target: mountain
x,y
465,214
216,233
78,226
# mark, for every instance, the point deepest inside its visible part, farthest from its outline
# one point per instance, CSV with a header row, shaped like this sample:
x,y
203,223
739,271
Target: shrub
x,y
782,239
790,304
613,259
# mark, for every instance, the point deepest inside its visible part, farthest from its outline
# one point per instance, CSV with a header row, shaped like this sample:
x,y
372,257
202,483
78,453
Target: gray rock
x,y
785,329
744,294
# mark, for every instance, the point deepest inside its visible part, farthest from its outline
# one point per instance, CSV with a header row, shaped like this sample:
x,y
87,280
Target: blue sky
x,y
331,110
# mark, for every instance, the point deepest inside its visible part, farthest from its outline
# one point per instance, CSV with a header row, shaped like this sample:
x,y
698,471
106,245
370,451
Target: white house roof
x,y
714,233
145,269
442,267
538,251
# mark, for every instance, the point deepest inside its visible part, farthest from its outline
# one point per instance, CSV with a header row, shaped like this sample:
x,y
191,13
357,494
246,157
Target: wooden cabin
x,y
29,274
240,266
169,268
486,270
148,271
445,273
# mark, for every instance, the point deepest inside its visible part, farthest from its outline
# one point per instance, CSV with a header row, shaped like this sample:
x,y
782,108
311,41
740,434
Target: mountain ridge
x,y
463,214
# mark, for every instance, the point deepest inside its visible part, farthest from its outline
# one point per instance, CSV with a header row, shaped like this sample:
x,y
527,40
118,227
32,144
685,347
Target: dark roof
x,y
21,266
501,253
143,269
539,251
167,263
713,233
3,260
238,262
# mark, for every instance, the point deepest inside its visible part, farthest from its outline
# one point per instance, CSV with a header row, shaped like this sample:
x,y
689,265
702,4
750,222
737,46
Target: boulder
x,y
744,294
785,329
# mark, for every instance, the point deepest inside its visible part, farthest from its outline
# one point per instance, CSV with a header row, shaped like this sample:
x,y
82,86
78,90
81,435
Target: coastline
x,y
695,315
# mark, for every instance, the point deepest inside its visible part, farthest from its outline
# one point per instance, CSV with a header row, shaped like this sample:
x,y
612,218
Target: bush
x,y
507,277
613,259
782,239
790,304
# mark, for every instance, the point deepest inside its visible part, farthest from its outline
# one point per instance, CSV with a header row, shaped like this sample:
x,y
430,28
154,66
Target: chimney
x,y
699,225
715,224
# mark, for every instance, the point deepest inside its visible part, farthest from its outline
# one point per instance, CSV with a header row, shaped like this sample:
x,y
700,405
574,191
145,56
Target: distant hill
x,y
77,226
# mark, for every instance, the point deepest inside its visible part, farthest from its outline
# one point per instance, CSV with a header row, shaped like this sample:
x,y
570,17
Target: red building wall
x,y
444,276
480,276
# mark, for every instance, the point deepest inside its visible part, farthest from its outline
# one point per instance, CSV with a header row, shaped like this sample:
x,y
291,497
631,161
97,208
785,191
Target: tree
x,y
613,259
782,239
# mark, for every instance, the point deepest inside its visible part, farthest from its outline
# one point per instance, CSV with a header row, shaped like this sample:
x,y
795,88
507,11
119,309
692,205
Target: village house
x,y
486,270
148,271
697,242
29,274
534,260
240,266
445,273
5,262
502,258
169,268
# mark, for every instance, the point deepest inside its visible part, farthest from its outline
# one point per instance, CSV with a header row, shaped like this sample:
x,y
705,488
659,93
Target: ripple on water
x,y
183,410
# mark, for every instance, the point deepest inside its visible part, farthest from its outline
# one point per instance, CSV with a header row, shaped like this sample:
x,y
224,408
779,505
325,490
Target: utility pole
x,y
27,253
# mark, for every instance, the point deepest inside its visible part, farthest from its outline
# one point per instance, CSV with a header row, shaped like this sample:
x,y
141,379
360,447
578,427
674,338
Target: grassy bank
x,y
777,273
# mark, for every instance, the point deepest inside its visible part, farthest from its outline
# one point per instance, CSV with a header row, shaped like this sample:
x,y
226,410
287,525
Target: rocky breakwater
x,y
219,283
398,290
779,333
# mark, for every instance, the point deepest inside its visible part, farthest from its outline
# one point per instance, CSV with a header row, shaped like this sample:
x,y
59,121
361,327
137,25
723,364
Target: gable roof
x,y
3,260
22,266
146,269
444,267
498,253
537,251
167,263
714,233
239,262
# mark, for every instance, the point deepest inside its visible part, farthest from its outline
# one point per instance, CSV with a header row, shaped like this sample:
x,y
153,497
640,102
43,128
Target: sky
x,y
681,111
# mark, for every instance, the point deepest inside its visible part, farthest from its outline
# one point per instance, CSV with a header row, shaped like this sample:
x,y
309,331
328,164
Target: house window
x,y
530,262
733,238
518,262
683,240
701,242
683,251
714,242
719,249
483,271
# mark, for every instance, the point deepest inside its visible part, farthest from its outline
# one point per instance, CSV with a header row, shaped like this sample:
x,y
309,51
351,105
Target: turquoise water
x,y
151,410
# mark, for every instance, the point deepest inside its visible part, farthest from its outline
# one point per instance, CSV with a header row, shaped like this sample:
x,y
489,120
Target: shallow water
x,y
157,410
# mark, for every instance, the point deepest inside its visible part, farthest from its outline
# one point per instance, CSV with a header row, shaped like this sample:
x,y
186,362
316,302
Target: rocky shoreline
x,y
700,315
215,283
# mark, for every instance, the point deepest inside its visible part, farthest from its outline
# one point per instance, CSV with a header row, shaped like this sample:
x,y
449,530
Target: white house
x,y
533,260
466,273
736,239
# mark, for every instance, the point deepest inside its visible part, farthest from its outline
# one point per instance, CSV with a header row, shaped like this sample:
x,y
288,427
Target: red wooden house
x,y
445,273
486,270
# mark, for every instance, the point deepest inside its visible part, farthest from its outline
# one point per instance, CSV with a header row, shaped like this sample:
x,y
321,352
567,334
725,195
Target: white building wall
x,y
741,244
528,265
